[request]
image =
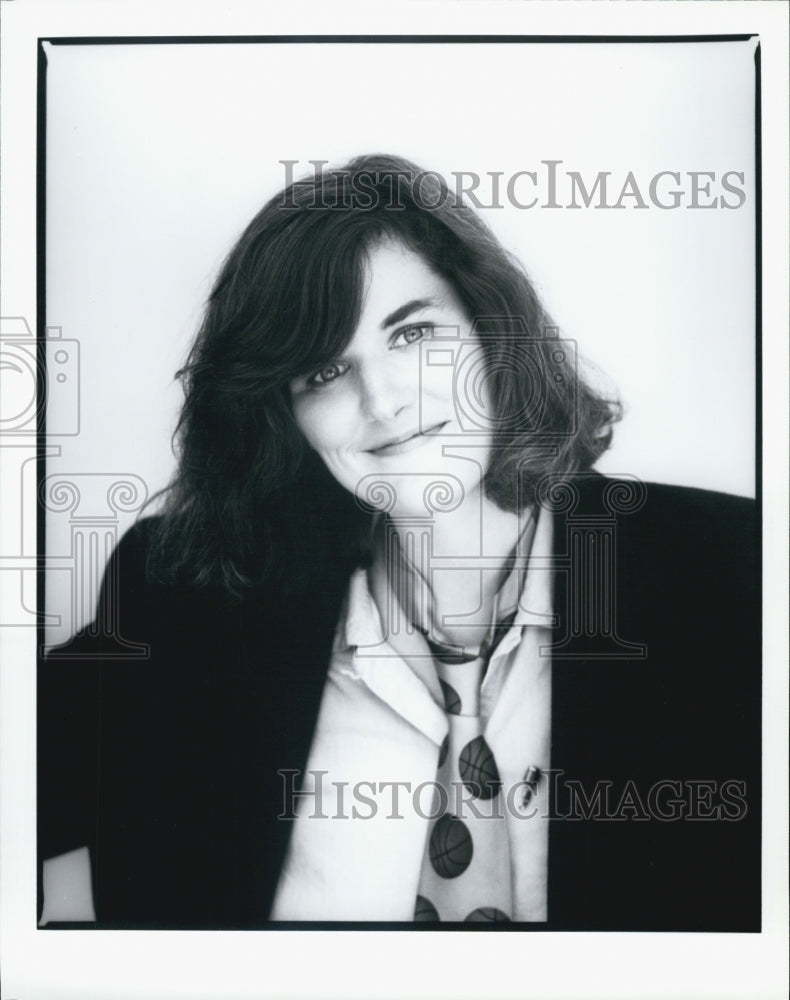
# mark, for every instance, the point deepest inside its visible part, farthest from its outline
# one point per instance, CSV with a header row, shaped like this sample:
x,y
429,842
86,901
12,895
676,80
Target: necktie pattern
x,y
466,867
465,872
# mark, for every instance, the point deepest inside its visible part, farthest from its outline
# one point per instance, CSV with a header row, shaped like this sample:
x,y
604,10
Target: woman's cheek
x,y
326,420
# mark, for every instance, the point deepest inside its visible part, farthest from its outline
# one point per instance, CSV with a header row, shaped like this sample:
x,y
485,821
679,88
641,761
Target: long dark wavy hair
x,y
250,502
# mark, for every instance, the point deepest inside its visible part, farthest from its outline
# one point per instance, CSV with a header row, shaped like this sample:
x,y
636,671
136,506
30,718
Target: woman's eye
x,y
412,334
328,374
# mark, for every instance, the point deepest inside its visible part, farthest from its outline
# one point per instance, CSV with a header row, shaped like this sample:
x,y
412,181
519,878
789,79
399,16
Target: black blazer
x,y
166,764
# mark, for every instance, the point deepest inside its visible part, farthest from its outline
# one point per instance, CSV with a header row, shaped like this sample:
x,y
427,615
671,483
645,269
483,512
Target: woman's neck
x,y
455,565
477,527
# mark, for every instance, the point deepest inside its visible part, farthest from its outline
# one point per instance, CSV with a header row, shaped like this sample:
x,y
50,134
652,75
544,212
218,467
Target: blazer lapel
x,y
285,654
597,671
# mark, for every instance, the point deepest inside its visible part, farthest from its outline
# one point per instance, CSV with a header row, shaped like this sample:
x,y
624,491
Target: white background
x,y
158,155
83,965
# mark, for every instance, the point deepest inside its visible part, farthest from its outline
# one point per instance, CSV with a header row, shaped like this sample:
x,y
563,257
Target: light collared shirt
x,y
367,797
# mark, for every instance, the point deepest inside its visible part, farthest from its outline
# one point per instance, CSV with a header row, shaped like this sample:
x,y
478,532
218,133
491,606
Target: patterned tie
x,y
465,872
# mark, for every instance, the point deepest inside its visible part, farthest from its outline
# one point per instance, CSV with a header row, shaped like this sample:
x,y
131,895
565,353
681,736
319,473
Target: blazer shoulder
x,y
660,524
705,514
127,573
135,545
709,502
627,497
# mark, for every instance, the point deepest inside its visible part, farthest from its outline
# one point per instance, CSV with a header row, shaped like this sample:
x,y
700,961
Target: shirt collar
x,y
363,626
535,606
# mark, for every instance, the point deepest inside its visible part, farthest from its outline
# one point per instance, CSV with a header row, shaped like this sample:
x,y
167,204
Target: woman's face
x,y
387,409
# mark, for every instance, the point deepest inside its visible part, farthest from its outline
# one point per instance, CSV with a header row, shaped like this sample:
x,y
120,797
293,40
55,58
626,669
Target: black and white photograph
x,y
393,502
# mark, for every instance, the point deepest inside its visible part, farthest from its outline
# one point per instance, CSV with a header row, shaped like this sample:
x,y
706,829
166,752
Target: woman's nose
x,y
386,392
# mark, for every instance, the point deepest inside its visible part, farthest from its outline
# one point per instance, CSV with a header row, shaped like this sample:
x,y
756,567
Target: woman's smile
x,y
409,441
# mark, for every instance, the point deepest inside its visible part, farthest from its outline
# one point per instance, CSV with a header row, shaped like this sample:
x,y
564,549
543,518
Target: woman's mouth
x,y
407,442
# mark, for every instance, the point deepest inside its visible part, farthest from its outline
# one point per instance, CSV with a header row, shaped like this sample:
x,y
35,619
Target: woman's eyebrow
x,y
406,310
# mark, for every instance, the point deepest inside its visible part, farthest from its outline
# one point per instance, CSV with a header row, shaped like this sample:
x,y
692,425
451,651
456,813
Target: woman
x,y
388,605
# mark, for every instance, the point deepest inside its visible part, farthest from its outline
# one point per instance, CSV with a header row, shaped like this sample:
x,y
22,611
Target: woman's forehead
x,y
394,276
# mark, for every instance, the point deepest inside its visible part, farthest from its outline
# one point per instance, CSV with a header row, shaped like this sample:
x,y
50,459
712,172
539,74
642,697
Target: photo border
x,y
729,981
